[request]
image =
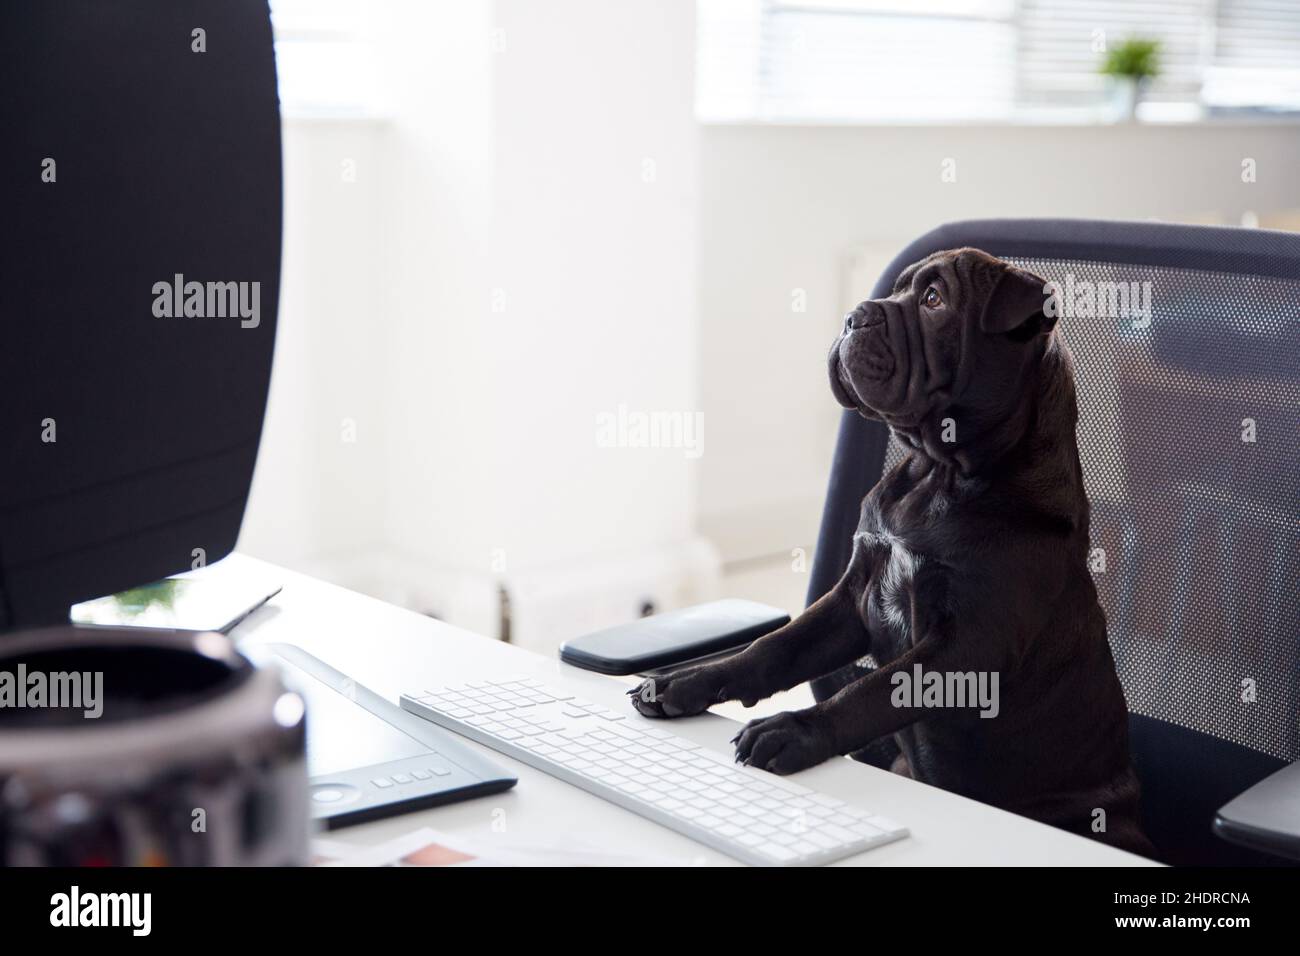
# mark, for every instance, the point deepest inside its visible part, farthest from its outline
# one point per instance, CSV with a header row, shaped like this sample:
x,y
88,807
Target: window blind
x,y
945,60
1256,62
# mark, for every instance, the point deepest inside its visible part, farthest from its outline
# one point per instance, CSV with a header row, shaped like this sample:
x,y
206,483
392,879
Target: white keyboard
x,y
631,760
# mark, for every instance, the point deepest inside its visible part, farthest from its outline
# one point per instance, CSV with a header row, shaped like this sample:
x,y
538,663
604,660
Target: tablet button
x,y
334,793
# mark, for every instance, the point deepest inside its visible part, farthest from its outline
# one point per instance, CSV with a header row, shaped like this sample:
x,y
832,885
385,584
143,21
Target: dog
x,y
968,568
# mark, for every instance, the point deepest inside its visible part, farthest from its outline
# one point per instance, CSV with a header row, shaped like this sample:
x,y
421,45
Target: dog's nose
x,y
866,314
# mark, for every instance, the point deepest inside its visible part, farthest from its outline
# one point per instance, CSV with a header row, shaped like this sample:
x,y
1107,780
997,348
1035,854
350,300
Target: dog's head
x,y
958,332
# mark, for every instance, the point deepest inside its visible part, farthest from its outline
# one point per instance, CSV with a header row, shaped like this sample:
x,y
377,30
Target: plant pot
x,y
1125,94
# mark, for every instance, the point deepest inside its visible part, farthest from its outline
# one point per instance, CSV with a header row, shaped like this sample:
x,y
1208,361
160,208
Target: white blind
x,y
1063,43
1256,56
945,60
853,59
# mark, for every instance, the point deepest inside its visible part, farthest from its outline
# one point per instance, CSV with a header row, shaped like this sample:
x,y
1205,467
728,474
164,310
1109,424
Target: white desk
x,y
392,650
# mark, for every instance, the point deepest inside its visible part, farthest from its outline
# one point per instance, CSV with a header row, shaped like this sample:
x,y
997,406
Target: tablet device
x,y
366,757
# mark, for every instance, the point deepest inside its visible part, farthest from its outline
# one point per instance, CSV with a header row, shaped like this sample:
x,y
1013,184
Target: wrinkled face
x,y
958,330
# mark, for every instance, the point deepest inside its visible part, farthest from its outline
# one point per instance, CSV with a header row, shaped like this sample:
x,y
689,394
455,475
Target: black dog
x,y
969,565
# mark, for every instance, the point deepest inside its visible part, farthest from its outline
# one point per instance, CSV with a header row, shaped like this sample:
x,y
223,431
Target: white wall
x,y
595,254
783,205
313,493
516,256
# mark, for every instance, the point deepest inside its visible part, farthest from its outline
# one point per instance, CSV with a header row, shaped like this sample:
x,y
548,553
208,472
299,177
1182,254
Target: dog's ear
x,y
1018,302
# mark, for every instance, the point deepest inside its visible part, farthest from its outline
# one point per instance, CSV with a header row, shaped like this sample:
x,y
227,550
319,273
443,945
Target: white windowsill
x,y
1217,122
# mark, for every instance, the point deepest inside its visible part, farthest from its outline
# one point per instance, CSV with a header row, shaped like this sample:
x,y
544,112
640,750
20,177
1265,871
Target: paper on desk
x,y
429,847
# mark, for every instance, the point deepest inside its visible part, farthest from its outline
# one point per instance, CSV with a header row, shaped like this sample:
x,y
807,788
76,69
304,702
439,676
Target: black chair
x,y
1188,433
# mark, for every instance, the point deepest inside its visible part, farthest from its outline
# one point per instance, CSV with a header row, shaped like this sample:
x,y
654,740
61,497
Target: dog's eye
x,y
932,299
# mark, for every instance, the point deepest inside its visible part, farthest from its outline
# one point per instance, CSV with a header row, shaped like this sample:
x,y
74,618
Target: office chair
x,y
1188,435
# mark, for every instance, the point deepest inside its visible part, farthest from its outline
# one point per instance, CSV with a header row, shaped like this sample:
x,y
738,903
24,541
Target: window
x,y
946,60
324,65
1256,56
1062,43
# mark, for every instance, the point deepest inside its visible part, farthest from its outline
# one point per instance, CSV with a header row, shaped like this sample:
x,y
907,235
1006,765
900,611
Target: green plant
x,y
1133,58
135,601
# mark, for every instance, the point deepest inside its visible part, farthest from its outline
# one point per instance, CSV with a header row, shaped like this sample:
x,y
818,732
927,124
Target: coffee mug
x,y
138,747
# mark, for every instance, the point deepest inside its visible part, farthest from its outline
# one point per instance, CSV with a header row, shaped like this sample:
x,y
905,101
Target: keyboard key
x,y
826,801
839,833
820,840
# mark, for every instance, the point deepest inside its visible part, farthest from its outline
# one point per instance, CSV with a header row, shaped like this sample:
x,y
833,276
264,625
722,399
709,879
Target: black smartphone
x,y
674,637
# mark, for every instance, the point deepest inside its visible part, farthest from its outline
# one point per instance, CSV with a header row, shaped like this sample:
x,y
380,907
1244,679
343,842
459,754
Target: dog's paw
x,y
679,694
785,743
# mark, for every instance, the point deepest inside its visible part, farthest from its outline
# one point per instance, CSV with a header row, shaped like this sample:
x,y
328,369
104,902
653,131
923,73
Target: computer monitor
x,y
140,255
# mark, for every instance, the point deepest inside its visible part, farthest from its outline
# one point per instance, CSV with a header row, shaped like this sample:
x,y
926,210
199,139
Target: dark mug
x,y
137,747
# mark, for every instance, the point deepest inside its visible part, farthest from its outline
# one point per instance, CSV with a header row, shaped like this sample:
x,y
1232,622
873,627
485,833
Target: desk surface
x,y
392,650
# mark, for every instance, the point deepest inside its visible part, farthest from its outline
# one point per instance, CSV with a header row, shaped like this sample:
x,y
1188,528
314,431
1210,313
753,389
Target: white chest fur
x,y
895,575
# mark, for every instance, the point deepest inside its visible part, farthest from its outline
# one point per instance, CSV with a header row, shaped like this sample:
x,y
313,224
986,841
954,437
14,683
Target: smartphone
x,y
184,603
673,637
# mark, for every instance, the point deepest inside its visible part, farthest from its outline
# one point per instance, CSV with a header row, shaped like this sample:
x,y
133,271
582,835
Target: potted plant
x,y
1131,65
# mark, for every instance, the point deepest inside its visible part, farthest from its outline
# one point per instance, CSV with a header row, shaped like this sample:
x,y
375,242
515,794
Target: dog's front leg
x,y
867,709
859,714
827,635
